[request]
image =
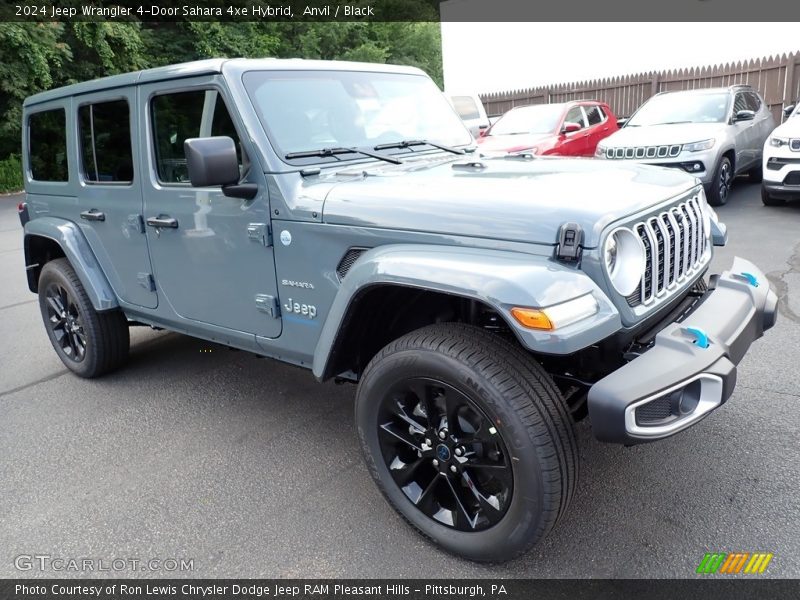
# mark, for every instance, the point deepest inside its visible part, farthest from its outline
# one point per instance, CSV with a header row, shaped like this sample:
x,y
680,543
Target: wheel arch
x,y
48,238
391,290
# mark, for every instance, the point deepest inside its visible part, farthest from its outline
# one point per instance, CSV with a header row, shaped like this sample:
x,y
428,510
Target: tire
x,y
89,343
756,174
509,403
769,200
720,187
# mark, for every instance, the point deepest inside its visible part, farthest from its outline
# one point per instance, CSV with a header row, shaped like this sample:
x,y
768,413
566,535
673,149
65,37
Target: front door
x,y
575,143
110,210
211,254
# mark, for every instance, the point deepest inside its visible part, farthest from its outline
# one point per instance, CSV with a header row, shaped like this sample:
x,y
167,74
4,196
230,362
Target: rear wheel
x,y
770,200
468,439
720,186
87,342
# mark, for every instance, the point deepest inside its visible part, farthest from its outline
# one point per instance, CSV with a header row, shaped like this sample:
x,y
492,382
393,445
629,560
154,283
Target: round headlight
x,y
624,257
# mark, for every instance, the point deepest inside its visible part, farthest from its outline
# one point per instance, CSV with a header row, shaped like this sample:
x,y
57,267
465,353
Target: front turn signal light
x,y
532,318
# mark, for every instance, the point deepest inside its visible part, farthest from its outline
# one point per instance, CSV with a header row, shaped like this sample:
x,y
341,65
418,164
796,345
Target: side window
x,y
105,135
47,145
739,103
575,115
753,101
465,107
183,115
594,115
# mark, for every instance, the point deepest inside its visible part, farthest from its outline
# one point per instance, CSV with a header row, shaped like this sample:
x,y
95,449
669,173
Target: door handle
x,y
162,221
93,215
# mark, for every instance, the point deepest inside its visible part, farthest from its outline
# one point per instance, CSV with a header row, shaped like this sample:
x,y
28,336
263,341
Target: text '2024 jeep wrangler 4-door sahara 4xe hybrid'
x,y
336,216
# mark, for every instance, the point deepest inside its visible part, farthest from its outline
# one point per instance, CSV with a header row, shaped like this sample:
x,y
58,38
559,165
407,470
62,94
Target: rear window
x,y
47,145
466,107
105,133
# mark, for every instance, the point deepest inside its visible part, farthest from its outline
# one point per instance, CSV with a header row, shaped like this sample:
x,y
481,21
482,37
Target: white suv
x,y
782,161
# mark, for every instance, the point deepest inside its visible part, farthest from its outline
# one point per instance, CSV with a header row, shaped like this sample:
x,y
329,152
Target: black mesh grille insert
x,y
347,261
655,411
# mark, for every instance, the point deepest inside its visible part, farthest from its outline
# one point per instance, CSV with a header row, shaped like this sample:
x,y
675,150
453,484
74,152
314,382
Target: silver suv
x,y
714,134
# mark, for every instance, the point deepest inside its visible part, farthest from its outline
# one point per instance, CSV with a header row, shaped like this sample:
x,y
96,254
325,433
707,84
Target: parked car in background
x,y
568,129
714,134
781,162
470,108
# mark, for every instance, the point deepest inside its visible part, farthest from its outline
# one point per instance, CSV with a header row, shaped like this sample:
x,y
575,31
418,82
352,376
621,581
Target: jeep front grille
x,y
347,261
675,244
644,152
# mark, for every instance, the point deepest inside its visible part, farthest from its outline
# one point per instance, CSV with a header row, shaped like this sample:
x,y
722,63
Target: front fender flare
x,y
499,279
69,237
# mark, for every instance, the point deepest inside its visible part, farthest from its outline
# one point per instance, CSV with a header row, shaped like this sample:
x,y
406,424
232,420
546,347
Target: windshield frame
x,y
726,119
336,158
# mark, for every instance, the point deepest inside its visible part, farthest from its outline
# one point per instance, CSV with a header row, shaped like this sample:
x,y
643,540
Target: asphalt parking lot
x,y
252,469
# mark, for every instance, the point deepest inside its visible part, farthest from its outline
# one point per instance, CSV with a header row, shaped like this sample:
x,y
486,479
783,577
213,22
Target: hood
x,y
663,135
791,128
492,144
505,199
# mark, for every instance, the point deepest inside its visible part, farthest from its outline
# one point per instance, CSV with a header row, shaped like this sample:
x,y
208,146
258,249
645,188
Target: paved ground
x,y
252,469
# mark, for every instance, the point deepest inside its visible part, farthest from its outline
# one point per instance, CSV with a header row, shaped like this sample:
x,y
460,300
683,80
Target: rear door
x,y
598,124
212,254
110,198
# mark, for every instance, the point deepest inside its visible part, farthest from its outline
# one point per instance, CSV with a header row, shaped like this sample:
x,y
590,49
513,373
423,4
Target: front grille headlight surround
x,y
700,146
624,260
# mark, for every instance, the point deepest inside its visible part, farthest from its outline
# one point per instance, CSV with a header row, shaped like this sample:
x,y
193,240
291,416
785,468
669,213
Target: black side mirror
x,y
744,115
787,112
212,162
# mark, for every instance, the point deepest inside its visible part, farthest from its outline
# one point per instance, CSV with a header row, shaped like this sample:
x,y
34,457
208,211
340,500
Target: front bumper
x,y
691,368
781,191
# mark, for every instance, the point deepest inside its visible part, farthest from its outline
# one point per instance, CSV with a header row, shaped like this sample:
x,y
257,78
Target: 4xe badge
x,y
297,308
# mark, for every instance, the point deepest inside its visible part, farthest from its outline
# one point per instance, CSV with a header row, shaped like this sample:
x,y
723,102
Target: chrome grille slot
x,y
640,152
675,244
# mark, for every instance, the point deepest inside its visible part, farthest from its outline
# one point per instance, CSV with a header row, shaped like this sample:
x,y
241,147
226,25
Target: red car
x,y
568,129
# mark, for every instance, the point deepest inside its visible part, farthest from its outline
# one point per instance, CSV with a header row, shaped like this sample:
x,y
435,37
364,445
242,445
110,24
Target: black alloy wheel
x,y
445,454
65,322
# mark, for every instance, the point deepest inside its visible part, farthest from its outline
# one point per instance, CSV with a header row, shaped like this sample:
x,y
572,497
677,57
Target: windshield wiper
x,y
674,122
409,143
328,152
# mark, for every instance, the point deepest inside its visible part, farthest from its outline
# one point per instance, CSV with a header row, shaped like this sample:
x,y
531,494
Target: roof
x,y
209,67
714,90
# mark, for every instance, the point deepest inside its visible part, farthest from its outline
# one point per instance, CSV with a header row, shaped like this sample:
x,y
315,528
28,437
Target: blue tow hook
x,y
700,336
749,278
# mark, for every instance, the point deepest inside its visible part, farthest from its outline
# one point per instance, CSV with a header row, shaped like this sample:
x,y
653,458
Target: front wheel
x,y
87,342
468,439
720,187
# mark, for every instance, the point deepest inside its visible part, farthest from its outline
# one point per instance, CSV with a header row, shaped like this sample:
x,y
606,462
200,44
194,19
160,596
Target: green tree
x,y
30,54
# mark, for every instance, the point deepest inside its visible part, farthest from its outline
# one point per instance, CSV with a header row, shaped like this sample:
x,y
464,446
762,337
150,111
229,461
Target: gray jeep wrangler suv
x,y
334,216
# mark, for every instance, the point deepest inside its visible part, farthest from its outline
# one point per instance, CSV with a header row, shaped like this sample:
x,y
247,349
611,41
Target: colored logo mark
x,y
734,562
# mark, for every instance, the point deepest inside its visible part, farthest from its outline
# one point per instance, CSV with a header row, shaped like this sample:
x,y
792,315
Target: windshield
x,y
543,118
681,108
303,111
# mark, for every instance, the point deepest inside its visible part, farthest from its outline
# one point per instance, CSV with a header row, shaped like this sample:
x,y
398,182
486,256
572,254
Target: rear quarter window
x,y
47,145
